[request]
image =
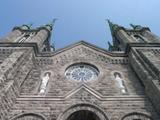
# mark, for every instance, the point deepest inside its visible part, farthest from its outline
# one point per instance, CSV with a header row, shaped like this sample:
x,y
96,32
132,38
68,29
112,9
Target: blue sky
x,y
79,19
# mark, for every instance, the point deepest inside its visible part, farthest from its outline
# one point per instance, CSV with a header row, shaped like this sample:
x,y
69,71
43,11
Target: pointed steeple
x,y
113,26
51,24
113,29
110,46
49,27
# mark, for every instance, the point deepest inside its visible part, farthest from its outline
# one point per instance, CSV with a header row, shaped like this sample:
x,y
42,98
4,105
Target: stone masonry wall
x,y
13,70
146,65
61,94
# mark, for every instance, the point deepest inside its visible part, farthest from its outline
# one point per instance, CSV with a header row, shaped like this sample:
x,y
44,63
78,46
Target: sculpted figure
x,y
44,82
120,82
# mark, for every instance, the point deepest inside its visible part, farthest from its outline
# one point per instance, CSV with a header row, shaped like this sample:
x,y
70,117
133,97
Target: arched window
x,y
24,38
44,82
136,116
120,82
29,116
139,38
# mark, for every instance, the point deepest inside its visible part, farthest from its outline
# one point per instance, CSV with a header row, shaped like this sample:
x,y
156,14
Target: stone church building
x,y
80,81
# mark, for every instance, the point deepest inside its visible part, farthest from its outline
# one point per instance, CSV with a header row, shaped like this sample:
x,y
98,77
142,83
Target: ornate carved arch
x,y
24,116
80,107
136,116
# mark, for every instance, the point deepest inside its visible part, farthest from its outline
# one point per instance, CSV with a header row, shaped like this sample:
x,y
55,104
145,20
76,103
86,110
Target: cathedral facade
x,y
80,81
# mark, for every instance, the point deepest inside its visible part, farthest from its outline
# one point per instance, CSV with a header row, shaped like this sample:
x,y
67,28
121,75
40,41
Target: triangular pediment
x,y
92,47
83,50
83,92
80,51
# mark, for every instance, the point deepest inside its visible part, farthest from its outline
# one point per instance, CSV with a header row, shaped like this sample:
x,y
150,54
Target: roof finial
x,y
110,23
110,46
53,22
30,25
136,27
27,26
50,25
112,26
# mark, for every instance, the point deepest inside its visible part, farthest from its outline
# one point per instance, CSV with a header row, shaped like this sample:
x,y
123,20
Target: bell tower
x,y
25,34
143,50
80,81
124,36
16,33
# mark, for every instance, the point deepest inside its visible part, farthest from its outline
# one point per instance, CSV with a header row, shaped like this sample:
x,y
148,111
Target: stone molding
x,y
87,89
25,114
83,106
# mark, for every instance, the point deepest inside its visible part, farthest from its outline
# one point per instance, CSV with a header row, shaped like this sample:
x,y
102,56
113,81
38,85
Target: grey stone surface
x,y
24,64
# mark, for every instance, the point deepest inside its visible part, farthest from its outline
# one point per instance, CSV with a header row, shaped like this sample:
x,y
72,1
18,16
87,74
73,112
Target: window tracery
x,y
82,72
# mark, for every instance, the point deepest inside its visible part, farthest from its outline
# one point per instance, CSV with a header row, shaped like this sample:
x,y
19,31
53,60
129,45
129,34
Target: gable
x,y
83,50
83,92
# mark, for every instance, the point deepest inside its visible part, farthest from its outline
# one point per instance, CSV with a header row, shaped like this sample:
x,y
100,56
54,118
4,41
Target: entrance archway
x,y
83,115
83,111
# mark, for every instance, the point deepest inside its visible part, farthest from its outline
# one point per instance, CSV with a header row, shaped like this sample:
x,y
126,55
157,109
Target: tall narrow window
x,y
120,82
44,82
24,38
139,39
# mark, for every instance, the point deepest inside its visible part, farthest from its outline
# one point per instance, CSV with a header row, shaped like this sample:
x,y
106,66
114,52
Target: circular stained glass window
x,y
82,72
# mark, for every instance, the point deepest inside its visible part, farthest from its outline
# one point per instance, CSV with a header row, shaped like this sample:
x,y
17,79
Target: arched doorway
x,y
83,111
83,115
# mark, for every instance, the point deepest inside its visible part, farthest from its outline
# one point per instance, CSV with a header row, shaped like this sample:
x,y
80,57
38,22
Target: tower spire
x,y
53,21
110,46
113,29
51,24
112,26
